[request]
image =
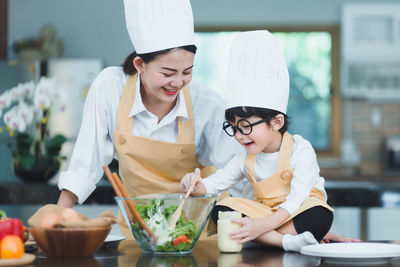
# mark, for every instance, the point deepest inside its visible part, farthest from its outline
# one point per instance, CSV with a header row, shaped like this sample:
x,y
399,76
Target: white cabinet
x,y
383,224
347,222
370,58
371,32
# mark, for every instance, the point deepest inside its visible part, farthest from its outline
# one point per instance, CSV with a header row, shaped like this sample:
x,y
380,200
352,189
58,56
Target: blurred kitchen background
x,y
344,63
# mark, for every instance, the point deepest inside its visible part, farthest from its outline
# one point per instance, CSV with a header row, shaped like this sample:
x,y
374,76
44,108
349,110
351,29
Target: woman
x,y
146,114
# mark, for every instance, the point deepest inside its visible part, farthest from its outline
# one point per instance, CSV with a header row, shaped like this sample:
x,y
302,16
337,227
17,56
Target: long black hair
x,y
264,113
130,69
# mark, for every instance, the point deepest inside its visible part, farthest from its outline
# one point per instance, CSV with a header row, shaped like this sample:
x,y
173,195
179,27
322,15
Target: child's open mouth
x,y
248,144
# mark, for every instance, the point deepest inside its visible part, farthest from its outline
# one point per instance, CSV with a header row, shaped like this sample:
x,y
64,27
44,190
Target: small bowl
x,y
70,242
195,214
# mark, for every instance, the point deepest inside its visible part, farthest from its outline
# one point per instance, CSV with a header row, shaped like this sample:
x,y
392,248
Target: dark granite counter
x,y
341,193
40,193
363,194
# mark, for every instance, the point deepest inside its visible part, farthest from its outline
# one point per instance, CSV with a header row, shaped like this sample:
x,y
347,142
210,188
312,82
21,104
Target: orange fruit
x,y
11,247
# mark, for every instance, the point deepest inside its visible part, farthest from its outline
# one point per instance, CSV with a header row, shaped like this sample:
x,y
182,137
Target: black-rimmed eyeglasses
x,y
242,125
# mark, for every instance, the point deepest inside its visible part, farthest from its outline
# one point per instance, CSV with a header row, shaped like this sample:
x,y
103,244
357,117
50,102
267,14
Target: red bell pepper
x,y
10,226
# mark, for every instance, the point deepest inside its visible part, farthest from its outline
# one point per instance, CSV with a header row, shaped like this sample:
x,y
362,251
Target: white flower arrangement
x,y
27,104
26,109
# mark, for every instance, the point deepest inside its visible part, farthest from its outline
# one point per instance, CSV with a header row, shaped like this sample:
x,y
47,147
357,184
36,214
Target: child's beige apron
x,y
271,192
150,166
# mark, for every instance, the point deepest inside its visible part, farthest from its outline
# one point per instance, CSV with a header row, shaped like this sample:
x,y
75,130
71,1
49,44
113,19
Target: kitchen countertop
x,y
343,191
127,253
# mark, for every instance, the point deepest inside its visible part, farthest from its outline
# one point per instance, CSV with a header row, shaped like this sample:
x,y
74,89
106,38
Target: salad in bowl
x,y
157,210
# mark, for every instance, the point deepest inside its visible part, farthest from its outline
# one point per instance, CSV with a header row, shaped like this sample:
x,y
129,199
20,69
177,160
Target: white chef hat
x,y
155,25
257,73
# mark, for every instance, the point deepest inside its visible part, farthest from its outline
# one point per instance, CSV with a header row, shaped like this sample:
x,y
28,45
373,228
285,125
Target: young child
x,y
289,209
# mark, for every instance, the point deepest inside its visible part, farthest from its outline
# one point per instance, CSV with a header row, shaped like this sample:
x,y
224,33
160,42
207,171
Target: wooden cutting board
x,y
25,259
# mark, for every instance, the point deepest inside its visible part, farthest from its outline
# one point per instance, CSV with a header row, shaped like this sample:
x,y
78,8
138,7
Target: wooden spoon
x,y
177,213
133,213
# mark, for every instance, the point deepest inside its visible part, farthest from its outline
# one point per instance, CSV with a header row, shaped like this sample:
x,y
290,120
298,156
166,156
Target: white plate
x,y
112,238
353,253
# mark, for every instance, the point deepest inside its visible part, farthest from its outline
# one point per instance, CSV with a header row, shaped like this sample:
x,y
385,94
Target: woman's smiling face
x,y
167,74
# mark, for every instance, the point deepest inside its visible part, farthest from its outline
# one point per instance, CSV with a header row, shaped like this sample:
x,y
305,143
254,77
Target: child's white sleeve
x,y
226,177
305,175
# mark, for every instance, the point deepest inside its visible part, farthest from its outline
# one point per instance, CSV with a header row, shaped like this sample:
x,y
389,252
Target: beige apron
x,y
150,166
271,192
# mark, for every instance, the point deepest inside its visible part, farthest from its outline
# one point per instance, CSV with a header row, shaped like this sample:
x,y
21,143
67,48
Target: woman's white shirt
x,y
94,145
305,173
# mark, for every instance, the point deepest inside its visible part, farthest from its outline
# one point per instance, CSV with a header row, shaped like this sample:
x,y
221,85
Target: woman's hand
x,y
331,237
67,199
251,229
193,178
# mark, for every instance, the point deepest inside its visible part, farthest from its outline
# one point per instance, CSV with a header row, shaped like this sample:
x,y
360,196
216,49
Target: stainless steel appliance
x,y
392,153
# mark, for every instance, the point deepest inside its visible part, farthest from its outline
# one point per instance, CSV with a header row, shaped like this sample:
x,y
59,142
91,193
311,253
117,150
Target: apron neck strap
x,y
249,165
285,151
187,126
125,105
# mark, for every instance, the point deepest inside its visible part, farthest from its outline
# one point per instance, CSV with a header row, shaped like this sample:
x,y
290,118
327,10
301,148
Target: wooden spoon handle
x,y
177,213
121,191
114,185
132,207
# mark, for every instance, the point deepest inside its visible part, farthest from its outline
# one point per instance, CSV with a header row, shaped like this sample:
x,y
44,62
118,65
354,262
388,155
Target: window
x,y
311,56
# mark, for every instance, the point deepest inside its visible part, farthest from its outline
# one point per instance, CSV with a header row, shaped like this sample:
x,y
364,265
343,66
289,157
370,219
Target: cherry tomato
x,y
181,239
11,247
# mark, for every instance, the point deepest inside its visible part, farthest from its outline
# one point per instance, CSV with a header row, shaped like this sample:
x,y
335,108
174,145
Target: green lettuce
x,y
183,226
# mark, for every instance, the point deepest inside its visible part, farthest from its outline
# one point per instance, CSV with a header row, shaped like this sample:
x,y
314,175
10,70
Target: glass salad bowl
x,y
156,210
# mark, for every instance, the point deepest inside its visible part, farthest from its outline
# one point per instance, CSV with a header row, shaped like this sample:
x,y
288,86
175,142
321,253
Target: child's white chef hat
x,y
257,73
155,25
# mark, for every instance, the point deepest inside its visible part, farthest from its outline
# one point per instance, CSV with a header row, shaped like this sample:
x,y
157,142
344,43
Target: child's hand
x,y
331,237
251,229
193,178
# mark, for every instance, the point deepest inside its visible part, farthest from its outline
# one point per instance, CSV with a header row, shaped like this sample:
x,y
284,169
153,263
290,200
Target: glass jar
x,y
225,226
